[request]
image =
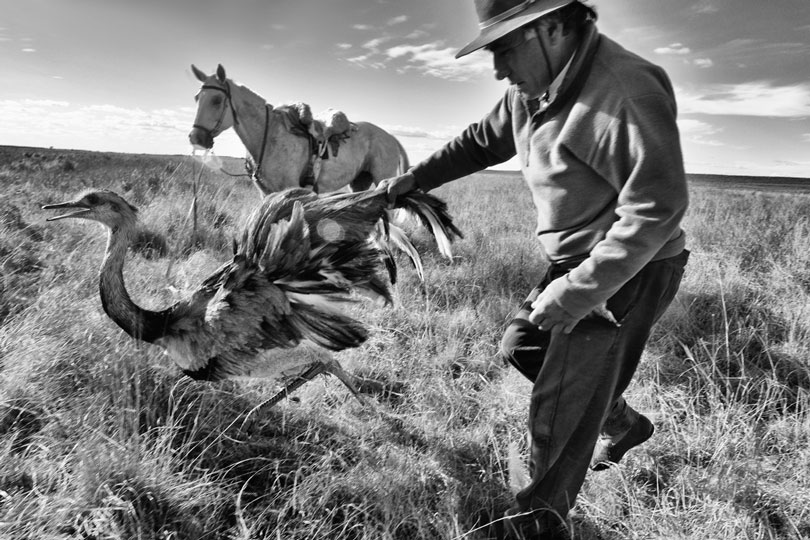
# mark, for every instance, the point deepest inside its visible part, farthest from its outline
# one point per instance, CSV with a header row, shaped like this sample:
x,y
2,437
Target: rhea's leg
x,y
335,369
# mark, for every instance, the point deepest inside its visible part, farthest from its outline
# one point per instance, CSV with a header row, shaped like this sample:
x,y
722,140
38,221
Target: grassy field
x,y
103,439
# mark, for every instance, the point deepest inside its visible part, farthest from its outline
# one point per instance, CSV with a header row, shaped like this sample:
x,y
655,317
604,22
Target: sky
x,y
114,75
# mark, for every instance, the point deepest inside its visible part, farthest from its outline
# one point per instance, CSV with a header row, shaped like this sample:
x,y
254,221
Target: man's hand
x,y
550,317
398,185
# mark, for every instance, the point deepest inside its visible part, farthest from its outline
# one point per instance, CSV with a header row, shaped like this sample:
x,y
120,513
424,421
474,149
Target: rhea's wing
x,y
350,216
272,210
272,295
357,217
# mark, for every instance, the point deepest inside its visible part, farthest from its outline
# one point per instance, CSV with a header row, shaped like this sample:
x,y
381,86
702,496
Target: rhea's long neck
x,y
137,322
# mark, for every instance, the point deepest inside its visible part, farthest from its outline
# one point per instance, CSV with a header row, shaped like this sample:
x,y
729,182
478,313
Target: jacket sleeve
x,y
639,154
483,144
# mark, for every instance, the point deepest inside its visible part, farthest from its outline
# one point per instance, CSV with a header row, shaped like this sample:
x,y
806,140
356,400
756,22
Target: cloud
x,y
806,137
374,44
699,132
430,59
679,49
417,34
60,118
743,51
28,50
363,27
759,98
436,60
705,7
397,20
344,46
38,103
366,61
442,134
673,49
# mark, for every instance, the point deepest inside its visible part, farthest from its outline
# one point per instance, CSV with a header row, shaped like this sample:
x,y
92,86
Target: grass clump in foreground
x,y
101,437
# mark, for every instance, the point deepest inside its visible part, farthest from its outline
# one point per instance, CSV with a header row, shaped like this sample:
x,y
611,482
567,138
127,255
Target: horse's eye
x,y
217,101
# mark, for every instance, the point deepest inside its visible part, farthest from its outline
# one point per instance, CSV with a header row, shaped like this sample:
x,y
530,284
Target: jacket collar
x,y
568,83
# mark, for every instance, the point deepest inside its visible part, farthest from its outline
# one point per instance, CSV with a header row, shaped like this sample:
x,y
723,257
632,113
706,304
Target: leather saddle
x,y
325,132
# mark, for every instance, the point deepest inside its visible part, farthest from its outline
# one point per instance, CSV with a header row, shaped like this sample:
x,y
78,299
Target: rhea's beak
x,y
80,209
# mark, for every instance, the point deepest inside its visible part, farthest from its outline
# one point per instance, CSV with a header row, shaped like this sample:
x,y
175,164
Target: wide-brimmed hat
x,y
499,17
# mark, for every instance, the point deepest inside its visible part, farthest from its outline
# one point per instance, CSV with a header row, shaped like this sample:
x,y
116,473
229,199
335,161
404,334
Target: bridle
x,y
212,132
227,91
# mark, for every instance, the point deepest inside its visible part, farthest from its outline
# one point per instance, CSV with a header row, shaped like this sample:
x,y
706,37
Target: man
x,y
594,127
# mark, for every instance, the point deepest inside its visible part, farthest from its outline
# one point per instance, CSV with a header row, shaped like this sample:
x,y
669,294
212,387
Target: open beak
x,y
79,209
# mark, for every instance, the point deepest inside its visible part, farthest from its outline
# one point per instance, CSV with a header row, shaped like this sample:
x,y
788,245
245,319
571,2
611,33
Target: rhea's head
x,y
100,205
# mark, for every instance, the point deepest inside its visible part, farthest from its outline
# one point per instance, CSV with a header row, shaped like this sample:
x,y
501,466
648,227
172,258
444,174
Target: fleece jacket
x,y
603,163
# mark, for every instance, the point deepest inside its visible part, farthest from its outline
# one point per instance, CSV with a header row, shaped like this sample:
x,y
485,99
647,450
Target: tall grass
x,y
102,437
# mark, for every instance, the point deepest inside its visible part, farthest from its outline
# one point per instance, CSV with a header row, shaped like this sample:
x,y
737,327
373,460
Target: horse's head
x,y
215,112
277,143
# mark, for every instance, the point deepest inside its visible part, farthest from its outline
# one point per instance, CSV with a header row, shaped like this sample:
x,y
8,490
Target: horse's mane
x,y
248,91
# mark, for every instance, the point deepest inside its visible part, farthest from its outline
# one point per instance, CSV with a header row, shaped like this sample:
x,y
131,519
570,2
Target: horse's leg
x,y
362,181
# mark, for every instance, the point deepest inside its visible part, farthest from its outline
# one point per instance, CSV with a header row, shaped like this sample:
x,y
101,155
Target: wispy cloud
x,y
437,60
441,134
30,104
417,34
433,59
679,49
705,7
673,49
365,61
760,98
744,51
699,132
374,44
806,137
60,119
397,20
373,57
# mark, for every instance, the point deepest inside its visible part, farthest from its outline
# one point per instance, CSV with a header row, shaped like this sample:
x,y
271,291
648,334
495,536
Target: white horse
x,y
282,147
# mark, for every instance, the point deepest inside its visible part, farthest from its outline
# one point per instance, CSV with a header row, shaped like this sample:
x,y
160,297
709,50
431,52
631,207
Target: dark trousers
x,y
579,379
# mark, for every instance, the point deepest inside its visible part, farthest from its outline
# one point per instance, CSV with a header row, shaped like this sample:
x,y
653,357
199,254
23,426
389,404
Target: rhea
x,y
278,306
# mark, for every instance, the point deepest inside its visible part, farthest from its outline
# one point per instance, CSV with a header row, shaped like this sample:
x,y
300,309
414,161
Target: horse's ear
x,y
198,73
221,73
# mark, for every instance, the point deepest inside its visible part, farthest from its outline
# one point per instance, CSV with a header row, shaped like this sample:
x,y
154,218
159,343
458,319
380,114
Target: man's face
x,y
519,58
